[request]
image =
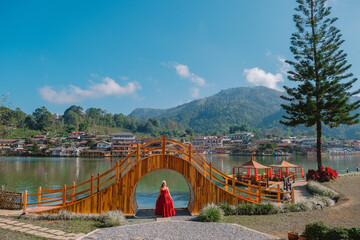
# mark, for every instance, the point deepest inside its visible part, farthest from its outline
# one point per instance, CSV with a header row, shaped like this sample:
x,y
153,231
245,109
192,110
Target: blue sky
x,y
121,55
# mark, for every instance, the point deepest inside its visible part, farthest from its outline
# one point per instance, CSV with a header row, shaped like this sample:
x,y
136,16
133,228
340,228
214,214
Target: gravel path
x,y
161,230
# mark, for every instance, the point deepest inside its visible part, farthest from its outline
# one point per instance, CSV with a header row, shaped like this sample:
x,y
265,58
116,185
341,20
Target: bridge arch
x,y
188,203
147,189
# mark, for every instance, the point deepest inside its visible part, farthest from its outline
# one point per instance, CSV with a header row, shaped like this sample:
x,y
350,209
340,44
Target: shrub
x,y
315,231
319,189
227,208
264,209
337,233
245,209
210,213
319,231
322,174
354,233
113,218
290,208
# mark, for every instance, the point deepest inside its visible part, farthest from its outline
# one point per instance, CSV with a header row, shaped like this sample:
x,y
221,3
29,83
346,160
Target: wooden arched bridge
x,y
115,188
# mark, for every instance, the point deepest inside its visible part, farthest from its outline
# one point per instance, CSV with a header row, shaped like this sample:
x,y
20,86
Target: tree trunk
x,y
318,144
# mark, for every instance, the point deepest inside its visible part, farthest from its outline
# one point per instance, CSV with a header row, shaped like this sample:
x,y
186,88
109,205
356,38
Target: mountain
x,y
259,108
255,107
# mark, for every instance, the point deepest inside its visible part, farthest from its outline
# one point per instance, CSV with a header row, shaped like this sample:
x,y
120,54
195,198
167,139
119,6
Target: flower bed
x,y
322,174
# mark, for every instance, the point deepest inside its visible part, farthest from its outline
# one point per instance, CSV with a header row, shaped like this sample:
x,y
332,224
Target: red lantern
x,y
248,172
279,173
271,176
233,170
256,176
287,170
302,172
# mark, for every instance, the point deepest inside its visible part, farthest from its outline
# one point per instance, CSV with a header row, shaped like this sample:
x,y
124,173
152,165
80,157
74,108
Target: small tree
x,y
319,68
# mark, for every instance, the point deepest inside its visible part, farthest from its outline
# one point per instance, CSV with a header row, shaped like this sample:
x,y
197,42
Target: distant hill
x,y
257,107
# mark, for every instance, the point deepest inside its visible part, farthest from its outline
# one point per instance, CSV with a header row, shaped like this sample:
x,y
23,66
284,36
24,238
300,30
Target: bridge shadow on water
x,y
181,214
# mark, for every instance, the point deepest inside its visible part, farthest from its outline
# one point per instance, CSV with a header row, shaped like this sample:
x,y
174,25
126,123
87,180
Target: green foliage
x,y
227,208
113,218
317,188
315,231
109,219
35,148
239,128
210,213
320,231
319,69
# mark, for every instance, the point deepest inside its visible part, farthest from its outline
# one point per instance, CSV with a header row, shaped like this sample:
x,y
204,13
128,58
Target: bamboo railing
x,y
70,194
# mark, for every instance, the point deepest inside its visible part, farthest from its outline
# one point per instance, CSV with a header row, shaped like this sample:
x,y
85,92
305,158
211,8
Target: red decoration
x,y
256,176
302,172
271,173
322,175
279,173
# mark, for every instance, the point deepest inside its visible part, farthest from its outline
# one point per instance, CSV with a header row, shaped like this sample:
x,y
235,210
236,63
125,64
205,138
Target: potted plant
x,y
293,235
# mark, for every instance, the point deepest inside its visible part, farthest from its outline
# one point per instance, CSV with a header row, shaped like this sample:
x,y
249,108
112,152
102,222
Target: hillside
x,y
257,107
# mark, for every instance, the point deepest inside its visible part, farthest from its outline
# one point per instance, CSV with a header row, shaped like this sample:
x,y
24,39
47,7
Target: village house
x,y
103,145
123,137
119,149
65,152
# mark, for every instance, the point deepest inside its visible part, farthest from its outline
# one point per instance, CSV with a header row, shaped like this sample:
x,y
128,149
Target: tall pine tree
x,y
320,71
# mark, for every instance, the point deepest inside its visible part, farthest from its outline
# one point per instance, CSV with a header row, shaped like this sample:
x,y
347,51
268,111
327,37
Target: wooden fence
x,y
10,200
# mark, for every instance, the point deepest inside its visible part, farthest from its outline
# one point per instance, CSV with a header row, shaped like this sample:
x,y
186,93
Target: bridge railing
x,y
70,194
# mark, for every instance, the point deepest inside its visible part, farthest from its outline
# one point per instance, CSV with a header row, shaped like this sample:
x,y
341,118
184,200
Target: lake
x,y
27,173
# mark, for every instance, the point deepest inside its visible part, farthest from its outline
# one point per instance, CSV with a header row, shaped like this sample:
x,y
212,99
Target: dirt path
x,y
346,213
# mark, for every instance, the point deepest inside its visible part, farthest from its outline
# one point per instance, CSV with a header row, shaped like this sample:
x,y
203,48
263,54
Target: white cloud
x,y
183,71
259,77
194,92
285,67
108,87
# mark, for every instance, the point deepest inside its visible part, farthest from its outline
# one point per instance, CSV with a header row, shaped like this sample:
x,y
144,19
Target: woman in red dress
x,y
164,202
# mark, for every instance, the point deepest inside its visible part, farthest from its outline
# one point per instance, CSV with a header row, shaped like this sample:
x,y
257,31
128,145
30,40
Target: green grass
x,y
6,234
69,226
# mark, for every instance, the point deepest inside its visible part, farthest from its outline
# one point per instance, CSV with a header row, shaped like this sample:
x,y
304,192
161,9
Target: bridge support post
x,y
73,192
64,195
137,153
226,182
39,196
278,193
117,171
98,182
25,201
233,184
210,172
190,152
92,184
259,192
163,145
292,196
